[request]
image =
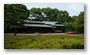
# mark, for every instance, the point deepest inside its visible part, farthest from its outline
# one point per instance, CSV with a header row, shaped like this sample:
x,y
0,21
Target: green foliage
x,y
36,12
74,18
14,14
79,23
44,42
63,16
50,14
69,26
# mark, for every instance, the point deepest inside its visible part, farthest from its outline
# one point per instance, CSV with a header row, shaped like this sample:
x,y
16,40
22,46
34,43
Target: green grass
x,y
44,42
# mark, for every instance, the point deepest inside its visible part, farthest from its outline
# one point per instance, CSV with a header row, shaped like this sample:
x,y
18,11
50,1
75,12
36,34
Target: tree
x,y
37,13
51,14
79,23
45,14
54,14
74,18
69,26
63,16
14,15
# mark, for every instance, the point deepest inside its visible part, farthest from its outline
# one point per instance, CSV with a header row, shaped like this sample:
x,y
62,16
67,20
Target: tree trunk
x,y
15,32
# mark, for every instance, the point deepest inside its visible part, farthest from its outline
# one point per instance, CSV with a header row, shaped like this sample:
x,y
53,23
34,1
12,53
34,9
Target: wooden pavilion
x,y
43,27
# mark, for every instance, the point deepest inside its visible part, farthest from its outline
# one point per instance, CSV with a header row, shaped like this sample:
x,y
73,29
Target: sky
x,y
73,9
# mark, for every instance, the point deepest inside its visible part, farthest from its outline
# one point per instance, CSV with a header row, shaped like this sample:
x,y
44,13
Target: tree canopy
x,y
14,14
79,23
49,14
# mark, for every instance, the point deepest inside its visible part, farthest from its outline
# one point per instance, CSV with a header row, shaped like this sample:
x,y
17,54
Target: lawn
x,y
44,42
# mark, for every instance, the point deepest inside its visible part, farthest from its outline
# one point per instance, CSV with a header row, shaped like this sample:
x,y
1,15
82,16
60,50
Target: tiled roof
x,y
36,25
42,24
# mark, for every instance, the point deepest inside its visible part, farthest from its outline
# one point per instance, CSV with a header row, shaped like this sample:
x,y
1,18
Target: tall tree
x,y
54,14
79,23
14,15
47,11
36,12
45,14
74,18
63,16
49,14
